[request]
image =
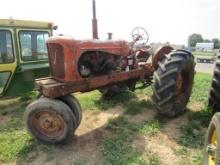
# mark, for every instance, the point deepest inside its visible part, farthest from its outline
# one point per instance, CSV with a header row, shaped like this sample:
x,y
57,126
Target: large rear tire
x,y
173,82
50,121
214,94
212,142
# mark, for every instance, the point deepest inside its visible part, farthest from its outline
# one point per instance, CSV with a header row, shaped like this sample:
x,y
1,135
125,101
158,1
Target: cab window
x,y
33,45
6,49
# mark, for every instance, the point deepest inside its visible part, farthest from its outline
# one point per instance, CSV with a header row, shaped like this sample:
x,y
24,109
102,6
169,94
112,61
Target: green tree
x,y
216,43
193,39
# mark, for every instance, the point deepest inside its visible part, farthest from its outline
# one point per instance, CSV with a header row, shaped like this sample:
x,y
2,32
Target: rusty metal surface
x,y
51,88
94,22
180,88
73,49
48,123
159,54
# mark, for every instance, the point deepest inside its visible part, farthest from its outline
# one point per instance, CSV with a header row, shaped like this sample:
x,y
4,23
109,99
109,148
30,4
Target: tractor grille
x,y
56,59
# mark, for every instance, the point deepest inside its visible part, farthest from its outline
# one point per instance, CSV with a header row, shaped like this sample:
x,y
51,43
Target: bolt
x,y
211,149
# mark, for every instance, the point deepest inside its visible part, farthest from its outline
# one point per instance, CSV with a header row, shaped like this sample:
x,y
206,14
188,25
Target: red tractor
x,y
86,65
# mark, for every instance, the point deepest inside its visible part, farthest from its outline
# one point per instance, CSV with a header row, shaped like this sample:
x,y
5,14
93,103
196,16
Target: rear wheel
x,y
214,94
212,142
50,121
173,82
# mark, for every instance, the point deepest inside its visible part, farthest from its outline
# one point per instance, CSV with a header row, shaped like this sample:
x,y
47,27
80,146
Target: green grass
x,y
136,106
192,134
93,100
140,91
153,160
117,149
80,162
151,127
202,83
16,144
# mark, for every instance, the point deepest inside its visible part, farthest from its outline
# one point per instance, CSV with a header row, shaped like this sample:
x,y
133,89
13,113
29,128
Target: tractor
x,y
109,66
212,140
23,55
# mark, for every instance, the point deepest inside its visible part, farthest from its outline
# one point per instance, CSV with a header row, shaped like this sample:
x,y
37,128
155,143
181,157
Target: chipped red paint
x,y
159,54
73,49
64,55
52,88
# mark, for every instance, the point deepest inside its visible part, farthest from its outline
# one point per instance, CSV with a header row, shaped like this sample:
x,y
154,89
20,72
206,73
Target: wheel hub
x,y
48,123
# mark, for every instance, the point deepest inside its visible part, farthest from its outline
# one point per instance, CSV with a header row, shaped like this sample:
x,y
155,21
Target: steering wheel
x,y
139,36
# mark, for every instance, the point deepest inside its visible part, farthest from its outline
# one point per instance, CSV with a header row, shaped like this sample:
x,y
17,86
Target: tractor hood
x,y
65,52
117,47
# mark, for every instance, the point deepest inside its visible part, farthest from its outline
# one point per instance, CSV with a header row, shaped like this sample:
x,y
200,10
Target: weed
x,y
140,91
203,116
95,102
153,160
196,158
15,145
202,83
28,96
182,151
80,162
117,149
193,133
135,107
151,127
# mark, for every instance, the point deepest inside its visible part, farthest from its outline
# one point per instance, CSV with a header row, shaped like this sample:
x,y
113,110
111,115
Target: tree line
x,y
197,38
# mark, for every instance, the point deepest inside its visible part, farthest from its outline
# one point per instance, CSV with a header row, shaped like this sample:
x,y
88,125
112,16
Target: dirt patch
x,y
87,142
93,121
163,143
172,126
86,145
146,115
196,106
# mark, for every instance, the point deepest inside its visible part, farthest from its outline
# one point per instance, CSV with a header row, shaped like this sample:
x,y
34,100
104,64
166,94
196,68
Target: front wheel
x,y
173,82
212,142
50,121
74,105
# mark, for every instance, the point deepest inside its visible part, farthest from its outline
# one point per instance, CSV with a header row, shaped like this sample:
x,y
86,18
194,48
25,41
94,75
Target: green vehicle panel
x,y
23,55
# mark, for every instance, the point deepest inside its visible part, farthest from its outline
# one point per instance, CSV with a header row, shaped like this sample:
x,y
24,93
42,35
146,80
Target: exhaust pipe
x,y
94,22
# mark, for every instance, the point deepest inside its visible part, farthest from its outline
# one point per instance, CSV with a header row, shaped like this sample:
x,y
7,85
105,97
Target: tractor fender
x,y
159,54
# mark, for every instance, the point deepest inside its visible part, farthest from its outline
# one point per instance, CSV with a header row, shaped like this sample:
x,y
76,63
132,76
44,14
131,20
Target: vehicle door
x,y
8,62
33,60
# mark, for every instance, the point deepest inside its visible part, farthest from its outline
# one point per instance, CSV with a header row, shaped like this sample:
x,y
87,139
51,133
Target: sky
x,y
165,20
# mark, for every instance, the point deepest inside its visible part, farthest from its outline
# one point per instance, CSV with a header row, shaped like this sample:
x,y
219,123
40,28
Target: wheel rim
x,y
211,149
182,86
48,123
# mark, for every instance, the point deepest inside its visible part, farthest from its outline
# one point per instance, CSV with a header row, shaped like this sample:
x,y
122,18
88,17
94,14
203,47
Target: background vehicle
x,y
23,54
212,141
85,65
